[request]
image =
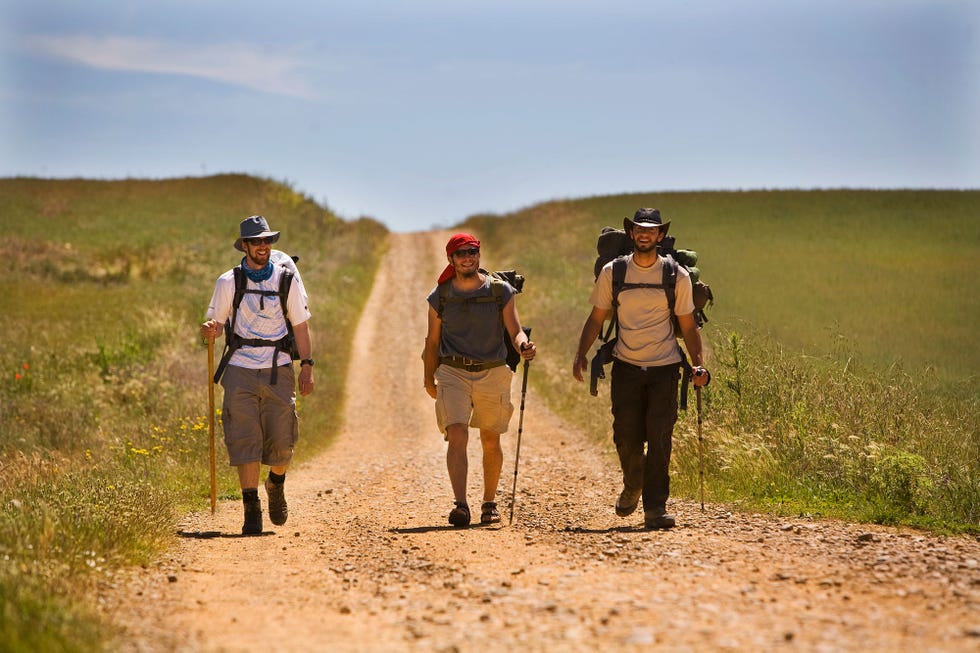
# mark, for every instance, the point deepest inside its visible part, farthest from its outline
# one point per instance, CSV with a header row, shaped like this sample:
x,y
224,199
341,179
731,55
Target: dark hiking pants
x,y
644,408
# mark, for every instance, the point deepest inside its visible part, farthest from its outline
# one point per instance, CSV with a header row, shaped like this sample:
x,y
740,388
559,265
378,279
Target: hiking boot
x,y
278,510
627,502
655,521
460,515
253,518
489,514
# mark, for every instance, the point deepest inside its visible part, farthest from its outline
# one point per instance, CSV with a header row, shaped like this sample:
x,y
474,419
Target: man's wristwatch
x,y
306,361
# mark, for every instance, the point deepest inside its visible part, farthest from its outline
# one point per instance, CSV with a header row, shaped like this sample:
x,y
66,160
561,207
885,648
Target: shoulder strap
x,y
285,283
241,282
670,282
497,289
443,298
618,281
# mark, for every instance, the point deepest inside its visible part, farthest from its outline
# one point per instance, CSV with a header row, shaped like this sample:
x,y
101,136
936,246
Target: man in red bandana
x,y
466,371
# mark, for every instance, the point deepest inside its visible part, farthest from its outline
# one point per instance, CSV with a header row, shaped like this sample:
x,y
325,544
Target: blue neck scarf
x,y
257,276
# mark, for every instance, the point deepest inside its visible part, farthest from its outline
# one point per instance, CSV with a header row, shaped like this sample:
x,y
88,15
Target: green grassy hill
x,y
103,375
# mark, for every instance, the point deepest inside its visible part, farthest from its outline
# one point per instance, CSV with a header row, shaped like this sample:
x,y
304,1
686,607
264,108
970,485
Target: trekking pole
x,y
697,392
214,497
520,429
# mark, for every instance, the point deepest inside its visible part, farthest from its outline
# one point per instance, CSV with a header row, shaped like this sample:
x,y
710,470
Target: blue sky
x,y
421,113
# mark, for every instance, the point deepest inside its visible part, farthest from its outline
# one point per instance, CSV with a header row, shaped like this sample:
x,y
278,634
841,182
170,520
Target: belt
x,y
645,368
469,364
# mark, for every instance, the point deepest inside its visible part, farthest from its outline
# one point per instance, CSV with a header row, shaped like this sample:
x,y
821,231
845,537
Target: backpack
x,y
233,341
614,245
497,279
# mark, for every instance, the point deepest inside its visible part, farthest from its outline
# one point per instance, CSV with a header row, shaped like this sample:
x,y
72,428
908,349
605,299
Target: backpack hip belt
x,y
236,342
468,364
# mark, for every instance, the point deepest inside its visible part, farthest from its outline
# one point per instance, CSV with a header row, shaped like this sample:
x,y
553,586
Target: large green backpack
x,y
497,279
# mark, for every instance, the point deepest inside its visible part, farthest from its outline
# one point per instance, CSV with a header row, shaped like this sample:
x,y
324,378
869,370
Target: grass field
x,y
845,351
845,358
103,393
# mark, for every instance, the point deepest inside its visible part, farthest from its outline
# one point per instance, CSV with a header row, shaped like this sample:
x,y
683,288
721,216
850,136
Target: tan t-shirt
x,y
646,333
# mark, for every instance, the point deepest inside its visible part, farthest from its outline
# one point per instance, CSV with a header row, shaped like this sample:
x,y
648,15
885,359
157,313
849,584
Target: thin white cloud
x,y
236,64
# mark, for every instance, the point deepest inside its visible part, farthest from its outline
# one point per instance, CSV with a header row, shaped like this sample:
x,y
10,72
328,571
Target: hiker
x,y
646,368
465,368
256,372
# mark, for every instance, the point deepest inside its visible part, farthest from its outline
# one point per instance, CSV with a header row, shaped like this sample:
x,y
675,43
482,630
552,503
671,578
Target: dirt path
x,y
368,561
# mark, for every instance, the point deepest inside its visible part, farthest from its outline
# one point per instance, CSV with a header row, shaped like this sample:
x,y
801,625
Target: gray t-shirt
x,y
646,332
470,328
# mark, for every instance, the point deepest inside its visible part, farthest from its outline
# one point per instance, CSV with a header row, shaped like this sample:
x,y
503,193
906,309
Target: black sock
x,y
278,479
250,496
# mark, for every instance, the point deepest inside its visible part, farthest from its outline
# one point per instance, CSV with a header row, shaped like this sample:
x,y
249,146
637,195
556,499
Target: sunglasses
x,y
473,251
268,240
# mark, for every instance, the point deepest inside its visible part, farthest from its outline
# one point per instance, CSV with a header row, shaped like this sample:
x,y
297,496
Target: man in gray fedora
x,y
261,308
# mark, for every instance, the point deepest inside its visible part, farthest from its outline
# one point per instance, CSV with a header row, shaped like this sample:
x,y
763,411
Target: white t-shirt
x,y
646,332
259,317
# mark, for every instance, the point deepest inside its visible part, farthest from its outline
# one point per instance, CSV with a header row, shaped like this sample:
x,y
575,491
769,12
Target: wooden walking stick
x,y
214,494
697,392
520,429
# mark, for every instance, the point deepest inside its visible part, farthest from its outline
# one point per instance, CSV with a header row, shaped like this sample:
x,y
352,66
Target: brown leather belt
x,y
469,364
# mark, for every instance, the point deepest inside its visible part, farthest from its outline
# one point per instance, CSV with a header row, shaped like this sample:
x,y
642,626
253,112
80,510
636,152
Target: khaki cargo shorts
x,y
478,399
259,419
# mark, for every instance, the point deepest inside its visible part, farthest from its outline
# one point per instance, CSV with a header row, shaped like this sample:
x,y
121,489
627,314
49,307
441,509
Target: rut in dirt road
x,y
368,561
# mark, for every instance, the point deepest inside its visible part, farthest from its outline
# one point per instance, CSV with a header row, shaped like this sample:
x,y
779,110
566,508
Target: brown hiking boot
x,y
253,518
627,502
278,510
654,521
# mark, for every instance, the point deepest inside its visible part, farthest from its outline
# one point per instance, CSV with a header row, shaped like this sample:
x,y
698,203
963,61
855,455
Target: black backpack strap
x,y
670,289
618,281
231,338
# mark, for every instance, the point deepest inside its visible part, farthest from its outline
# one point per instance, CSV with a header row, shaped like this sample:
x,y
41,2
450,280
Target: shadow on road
x,y
207,535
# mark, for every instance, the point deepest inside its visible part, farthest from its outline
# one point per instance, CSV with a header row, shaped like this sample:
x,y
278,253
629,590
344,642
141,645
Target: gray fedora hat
x,y
254,227
646,218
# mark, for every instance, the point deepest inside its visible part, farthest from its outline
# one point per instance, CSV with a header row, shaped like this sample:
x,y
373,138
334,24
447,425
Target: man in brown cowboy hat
x,y
259,408
465,368
647,364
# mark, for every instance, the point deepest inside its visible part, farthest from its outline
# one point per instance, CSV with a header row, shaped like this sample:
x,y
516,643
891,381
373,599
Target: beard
x,y
468,274
258,260
644,249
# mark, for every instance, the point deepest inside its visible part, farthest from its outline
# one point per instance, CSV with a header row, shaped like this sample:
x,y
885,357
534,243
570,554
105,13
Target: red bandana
x,y
456,243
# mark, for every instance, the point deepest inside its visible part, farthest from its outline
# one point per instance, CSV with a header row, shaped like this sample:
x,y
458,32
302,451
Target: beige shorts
x,y
259,419
478,399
